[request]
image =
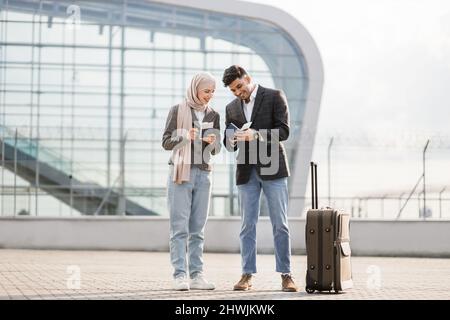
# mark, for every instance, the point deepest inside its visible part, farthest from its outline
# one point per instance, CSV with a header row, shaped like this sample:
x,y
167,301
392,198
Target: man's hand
x,y
210,138
246,135
192,134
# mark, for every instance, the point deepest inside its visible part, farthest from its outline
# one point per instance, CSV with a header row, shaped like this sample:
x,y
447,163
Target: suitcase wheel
x,y
310,290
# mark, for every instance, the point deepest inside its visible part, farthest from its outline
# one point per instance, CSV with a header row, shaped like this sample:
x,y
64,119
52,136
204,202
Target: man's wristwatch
x,y
256,135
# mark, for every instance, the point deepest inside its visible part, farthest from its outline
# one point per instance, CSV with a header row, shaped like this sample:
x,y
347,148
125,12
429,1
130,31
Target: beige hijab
x,y
182,156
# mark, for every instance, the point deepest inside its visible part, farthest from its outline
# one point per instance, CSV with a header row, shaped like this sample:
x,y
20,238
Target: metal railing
x,y
18,200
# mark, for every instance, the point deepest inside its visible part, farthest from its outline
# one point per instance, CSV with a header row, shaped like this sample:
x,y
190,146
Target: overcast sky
x,y
387,63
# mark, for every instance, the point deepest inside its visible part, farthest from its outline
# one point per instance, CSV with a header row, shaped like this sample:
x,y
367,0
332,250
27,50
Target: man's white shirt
x,y
248,107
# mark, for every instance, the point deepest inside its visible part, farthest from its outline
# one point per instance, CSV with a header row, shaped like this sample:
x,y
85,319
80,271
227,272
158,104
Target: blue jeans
x,y
276,193
188,205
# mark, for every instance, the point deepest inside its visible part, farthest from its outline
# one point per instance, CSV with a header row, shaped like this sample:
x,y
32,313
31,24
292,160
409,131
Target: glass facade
x,y
85,88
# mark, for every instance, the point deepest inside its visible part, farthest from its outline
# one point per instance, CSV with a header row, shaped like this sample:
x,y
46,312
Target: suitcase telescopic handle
x,y
314,194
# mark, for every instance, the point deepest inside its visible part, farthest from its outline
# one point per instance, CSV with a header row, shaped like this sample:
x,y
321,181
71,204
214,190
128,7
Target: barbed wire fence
x,y
396,175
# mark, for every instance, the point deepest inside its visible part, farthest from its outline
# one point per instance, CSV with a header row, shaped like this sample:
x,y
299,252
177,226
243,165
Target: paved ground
x,y
42,274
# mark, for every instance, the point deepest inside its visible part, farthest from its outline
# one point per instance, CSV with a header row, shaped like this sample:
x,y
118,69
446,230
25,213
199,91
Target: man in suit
x,y
267,110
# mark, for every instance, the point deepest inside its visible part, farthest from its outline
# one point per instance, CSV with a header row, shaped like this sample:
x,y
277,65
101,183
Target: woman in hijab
x,y
192,132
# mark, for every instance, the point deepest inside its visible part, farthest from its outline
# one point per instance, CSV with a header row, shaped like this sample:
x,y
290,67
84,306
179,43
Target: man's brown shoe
x,y
287,283
244,284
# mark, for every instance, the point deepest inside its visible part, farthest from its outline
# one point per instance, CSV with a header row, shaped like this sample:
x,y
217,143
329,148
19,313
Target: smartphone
x,y
246,126
232,126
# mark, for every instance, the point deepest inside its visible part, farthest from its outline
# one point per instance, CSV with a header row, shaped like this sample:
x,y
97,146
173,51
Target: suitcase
x,y
327,246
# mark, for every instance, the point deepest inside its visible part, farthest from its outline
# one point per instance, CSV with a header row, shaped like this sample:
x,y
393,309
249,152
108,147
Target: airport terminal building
x,y
86,86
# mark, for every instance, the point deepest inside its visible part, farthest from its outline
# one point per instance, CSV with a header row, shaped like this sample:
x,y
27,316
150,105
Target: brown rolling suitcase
x,y
327,246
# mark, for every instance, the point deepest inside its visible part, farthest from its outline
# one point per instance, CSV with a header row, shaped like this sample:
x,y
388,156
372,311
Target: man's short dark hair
x,y
232,73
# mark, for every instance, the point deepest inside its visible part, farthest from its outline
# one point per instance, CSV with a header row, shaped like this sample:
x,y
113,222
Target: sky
x,y
387,81
387,63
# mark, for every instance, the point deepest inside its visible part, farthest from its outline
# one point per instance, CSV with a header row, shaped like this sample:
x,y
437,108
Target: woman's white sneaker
x,y
200,283
181,283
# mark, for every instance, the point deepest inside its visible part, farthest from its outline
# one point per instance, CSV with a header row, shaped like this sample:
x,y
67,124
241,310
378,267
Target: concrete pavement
x,y
52,274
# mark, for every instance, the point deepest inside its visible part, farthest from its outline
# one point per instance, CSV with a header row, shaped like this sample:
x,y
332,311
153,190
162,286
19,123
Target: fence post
x,y
329,171
71,194
424,186
440,202
359,208
15,173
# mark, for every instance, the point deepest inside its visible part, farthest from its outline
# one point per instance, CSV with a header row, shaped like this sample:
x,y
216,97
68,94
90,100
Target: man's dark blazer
x,y
270,111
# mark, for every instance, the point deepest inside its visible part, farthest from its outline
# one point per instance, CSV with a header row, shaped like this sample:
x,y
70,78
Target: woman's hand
x,y
210,138
192,134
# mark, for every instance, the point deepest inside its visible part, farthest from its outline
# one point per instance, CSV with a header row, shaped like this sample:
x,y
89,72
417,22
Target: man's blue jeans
x,y
276,193
188,205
